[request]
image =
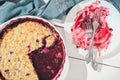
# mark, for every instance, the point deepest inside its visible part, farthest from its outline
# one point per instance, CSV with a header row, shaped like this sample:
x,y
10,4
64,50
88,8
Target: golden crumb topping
x,y
15,46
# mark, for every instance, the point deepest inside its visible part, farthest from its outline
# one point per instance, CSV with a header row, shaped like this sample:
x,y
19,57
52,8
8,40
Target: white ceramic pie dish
x,y
66,64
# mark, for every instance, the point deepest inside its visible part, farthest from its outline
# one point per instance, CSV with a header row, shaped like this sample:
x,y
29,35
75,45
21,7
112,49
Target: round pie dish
x,y
32,48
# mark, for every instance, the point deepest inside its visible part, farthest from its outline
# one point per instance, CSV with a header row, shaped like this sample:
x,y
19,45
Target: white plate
x,y
66,65
113,21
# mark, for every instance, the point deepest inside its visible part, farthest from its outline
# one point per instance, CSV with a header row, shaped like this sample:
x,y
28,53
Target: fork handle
x,y
89,55
94,62
94,65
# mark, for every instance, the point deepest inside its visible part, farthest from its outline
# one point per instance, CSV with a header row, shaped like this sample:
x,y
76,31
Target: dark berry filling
x,y
1,77
48,61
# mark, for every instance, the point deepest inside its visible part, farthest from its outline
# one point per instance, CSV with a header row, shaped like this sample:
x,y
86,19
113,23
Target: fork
x,y
94,63
90,55
89,34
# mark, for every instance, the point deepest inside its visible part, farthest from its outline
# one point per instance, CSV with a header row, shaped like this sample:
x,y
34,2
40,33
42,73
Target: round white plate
x,y
113,21
66,64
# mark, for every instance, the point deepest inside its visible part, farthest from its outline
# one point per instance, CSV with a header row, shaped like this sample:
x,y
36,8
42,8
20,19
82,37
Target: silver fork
x,y
94,53
90,55
89,35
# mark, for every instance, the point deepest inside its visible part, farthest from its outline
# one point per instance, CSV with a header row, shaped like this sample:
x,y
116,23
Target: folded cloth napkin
x,y
9,10
57,8
52,9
